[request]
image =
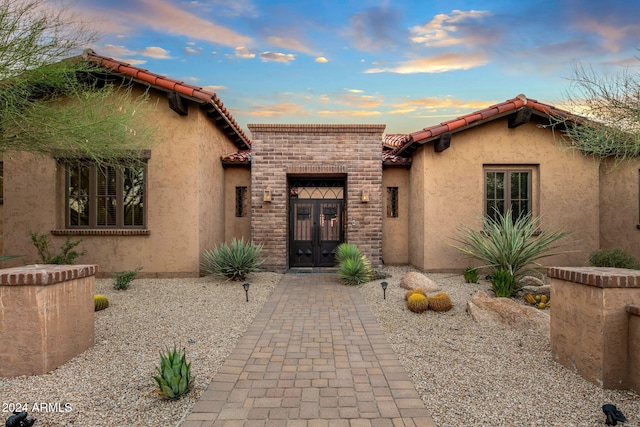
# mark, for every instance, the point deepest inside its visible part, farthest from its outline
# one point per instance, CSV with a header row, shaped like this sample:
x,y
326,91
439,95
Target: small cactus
x,y
418,303
471,275
100,302
414,291
440,302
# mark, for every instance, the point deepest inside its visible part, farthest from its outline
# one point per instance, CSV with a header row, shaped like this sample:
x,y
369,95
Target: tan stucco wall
x,y
185,184
620,206
565,191
236,227
395,231
417,203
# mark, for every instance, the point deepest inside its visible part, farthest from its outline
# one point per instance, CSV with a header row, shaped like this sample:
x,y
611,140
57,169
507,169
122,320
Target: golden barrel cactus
x,y
418,303
440,302
100,302
414,291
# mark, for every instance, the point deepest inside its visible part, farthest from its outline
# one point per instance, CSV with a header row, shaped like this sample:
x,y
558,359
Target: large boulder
x,y
487,310
537,290
414,279
530,281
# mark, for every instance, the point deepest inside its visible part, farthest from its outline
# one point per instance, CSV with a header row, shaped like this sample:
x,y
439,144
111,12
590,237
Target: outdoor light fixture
x,y
364,197
384,289
266,196
246,290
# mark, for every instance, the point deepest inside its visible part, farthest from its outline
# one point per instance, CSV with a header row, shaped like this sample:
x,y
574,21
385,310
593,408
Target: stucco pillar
x,y
46,316
591,329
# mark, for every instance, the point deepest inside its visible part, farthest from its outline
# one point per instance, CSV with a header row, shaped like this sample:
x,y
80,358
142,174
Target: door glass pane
x,y
302,217
329,221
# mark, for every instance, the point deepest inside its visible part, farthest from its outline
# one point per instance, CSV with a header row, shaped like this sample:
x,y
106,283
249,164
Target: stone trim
x,y
45,274
634,309
101,232
316,169
600,277
320,128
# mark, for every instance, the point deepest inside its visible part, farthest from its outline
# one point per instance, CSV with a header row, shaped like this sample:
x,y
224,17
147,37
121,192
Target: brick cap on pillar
x,y
600,277
44,274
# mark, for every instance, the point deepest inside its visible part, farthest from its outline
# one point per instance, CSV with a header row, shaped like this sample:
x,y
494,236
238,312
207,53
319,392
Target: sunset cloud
x,y
155,52
322,60
277,57
448,30
435,64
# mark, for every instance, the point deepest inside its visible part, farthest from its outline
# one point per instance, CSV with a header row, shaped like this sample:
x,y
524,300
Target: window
x,y
105,196
241,201
392,202
507,189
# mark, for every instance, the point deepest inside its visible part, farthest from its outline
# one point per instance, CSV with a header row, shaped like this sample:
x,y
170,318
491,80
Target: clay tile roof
x,y
195,93
240,158
490,113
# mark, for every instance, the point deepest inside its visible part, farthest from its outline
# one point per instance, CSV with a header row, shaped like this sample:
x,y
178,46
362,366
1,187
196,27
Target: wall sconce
x,y
266,196
364,197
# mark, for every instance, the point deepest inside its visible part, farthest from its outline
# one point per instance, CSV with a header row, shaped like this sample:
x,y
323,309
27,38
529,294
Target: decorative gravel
x,y
469,374
466,373
111,384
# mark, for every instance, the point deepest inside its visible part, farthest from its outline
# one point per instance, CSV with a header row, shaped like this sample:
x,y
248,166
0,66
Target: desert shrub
x,y
66,255
174,374
503,284
235,261
471,275
509,244
124,279
616,257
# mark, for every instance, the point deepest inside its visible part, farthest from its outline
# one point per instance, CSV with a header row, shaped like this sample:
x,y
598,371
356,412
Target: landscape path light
x,y
246,290
384,289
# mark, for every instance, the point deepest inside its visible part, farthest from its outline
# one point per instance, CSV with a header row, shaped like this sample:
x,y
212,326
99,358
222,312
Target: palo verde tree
x,y
51,101
611,103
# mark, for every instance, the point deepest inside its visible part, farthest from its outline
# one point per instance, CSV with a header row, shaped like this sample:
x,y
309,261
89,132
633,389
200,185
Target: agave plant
x,y
235,261
174,374
509,244
355,270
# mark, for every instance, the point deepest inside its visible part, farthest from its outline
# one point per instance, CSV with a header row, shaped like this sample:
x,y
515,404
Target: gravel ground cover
x,y
467,374
111,384
470,374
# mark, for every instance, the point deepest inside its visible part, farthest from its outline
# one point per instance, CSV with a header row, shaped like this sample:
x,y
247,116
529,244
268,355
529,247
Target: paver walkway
x,y
314,356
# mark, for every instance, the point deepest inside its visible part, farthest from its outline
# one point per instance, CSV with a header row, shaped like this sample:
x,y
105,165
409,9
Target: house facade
x,y
300,190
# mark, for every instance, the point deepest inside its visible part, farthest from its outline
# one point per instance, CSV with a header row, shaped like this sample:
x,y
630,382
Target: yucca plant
x,y
355,270
174,374
235,261
505,243
346,250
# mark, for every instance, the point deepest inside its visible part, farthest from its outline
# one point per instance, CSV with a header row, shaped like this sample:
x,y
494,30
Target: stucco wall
x,y
395,231
185,187
236,227
620,206
565,191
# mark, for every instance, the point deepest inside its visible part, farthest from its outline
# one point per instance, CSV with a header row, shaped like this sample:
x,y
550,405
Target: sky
x,y
406,64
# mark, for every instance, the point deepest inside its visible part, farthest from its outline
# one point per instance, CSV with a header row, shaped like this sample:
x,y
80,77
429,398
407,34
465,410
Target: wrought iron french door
x,y
315,231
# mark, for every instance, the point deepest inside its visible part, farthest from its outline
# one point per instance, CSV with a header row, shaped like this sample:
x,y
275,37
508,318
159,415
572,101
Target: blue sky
x,y
406,64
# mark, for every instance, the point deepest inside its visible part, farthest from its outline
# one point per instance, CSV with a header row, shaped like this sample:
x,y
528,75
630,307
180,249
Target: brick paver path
x,y
314,356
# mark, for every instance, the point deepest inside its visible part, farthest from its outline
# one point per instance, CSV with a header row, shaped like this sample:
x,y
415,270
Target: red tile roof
x,y
490,113
195,93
